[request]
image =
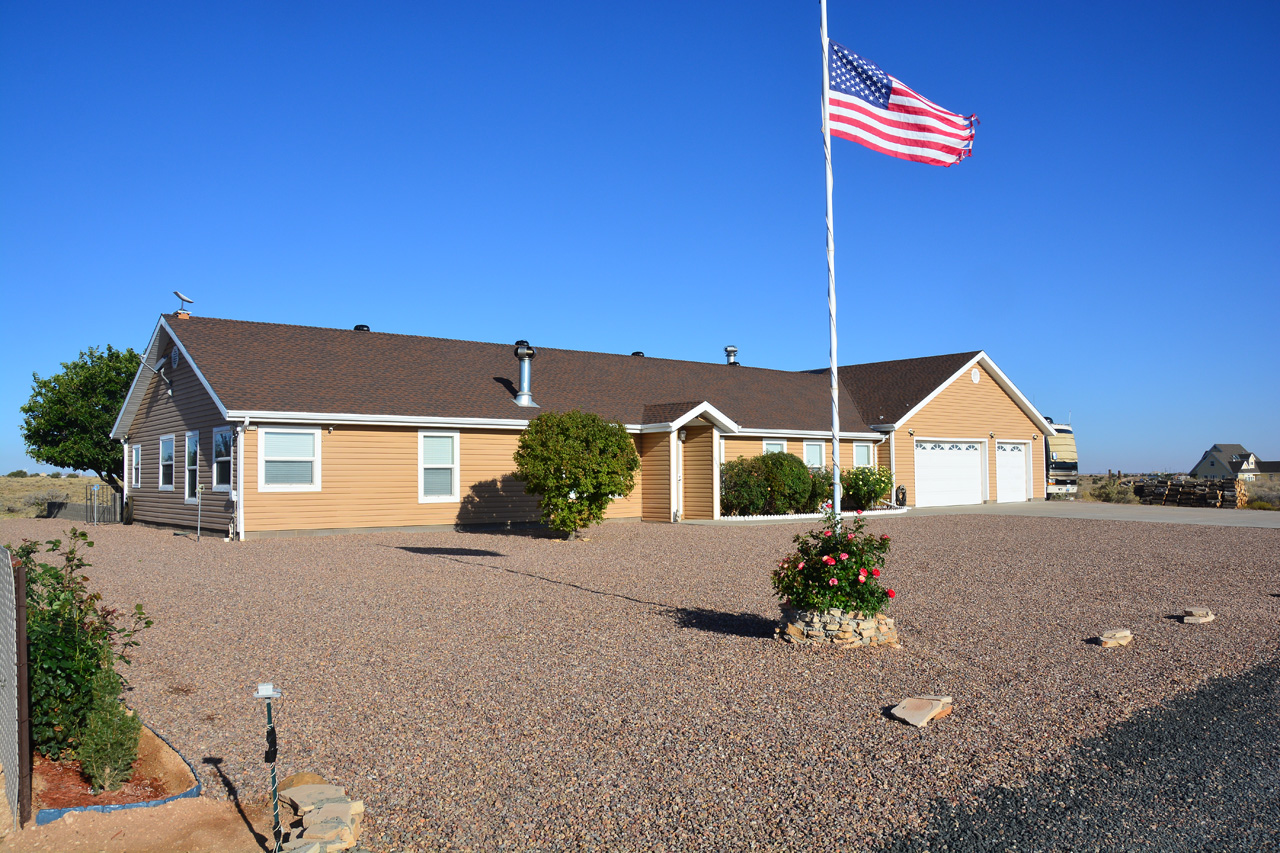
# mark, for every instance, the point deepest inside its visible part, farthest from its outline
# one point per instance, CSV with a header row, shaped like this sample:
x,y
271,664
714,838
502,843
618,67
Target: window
x,y
289,460
861,455
437,466
222,459
136,473
775,446
814,454
191,480
166,463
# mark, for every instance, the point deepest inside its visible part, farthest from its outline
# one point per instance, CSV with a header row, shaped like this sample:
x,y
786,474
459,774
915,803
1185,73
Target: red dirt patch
x,y
60,784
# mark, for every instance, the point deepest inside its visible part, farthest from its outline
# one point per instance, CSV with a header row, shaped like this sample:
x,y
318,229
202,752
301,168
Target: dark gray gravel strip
x,y
503,692
1200,773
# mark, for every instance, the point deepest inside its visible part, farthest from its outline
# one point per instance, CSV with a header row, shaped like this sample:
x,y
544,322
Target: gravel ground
x,y
514,692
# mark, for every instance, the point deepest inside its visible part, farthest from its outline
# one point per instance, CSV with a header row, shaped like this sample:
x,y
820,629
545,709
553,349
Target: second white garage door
x,y
948,473
1011,472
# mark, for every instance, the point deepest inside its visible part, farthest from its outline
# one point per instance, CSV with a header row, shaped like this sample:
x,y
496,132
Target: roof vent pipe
x,y
731,354
525,353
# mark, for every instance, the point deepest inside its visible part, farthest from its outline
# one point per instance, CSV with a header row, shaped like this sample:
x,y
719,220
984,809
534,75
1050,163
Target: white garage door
x,y
948,473
1011,472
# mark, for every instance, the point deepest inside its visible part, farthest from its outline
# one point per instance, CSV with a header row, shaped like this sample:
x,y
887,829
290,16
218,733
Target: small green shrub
x,y
73,476
1110,491
789,483
577,463
835,565
73,638
41,500
864,487
742,488
771,484
1260,504
55,475
108,744
820,491
19,474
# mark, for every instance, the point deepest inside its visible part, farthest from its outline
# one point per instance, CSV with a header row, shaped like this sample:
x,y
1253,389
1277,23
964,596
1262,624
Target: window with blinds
x,y
289,459
437,466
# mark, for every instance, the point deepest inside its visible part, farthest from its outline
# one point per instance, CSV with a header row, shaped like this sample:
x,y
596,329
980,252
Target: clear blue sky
x,y
648,175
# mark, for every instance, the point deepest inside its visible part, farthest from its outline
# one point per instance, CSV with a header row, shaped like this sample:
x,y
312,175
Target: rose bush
x,y
836,565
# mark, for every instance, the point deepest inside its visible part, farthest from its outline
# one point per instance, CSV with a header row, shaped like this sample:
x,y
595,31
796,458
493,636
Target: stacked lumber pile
x,y
1227,494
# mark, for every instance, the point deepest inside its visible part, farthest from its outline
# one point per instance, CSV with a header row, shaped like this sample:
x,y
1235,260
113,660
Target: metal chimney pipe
x,y
525,353
731,354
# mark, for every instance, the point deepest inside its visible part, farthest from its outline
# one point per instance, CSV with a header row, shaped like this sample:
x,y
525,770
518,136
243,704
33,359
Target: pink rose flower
x,y
875,573
844,556
850,537
884,537
826,533
891,593
801,566
833,581
862,578
830,561
858,511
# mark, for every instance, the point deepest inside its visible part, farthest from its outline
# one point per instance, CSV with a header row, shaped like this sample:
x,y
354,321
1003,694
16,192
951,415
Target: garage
x,y
1011,471
948,473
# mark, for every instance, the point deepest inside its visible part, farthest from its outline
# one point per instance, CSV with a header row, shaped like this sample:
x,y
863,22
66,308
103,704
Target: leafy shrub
x,y
1260,504
864,487
1268,493
771,484
1112,492
55,475
789,483
73,475
835,565
820,491
577,463
73,639
19,474
109,742
742,488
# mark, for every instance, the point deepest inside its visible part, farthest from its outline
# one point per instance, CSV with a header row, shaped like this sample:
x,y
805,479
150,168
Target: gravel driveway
x,y
485,691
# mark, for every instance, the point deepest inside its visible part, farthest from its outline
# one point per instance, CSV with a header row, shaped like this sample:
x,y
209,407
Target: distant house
x,y
1230,462
272,430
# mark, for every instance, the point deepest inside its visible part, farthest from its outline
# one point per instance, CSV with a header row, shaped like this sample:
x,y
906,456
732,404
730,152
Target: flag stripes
x,y
867,106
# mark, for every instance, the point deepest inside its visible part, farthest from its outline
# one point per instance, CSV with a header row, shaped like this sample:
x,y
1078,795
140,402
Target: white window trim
x,y
213,468
871,454
822,453
456,497
186,466
160,463
314,486
135,459
764,445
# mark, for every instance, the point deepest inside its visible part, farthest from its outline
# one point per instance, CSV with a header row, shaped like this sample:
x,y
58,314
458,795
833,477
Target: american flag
x,y
874,109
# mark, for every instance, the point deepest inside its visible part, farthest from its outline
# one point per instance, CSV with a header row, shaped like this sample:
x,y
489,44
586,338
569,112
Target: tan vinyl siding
x,y
882,454
629,506
967,411
655,462
369,478
699,472
189,408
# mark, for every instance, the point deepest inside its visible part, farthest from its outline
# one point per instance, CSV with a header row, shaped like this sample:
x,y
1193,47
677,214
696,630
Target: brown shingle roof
x,y
887,390
278,368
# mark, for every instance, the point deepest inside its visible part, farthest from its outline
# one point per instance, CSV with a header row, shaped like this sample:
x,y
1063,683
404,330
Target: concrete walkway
x,y
1077,509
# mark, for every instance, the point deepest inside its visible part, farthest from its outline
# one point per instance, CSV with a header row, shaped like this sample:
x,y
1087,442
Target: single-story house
x,y
291,430
1231,462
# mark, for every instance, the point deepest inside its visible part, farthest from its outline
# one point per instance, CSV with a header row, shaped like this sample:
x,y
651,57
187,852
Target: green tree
x,y
67,422
576,463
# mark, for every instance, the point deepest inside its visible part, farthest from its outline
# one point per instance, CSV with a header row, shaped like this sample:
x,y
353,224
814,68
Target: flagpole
x,y
831,270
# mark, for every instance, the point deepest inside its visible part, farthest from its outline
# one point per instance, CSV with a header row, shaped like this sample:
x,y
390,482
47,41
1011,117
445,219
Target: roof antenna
x,y
186,300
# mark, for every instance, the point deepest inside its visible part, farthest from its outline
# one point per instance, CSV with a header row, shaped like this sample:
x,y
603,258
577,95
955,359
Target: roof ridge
x,y
173,318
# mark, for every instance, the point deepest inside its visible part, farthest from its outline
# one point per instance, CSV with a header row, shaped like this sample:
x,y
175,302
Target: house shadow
x,y
501,505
